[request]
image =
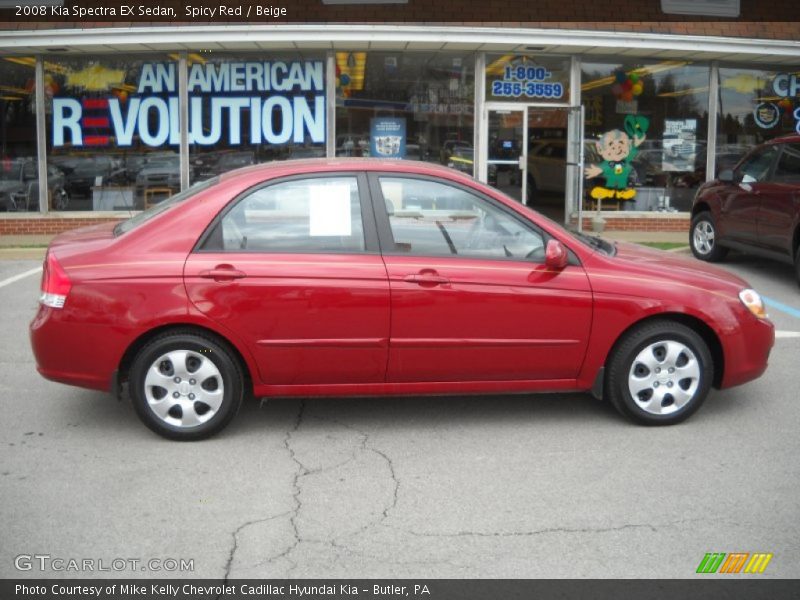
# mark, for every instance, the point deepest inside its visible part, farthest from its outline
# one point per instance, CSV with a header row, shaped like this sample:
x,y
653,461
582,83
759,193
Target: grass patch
x,y
664,245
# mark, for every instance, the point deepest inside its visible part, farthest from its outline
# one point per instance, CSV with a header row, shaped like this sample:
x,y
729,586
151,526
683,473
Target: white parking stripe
x,y
787,334
11,280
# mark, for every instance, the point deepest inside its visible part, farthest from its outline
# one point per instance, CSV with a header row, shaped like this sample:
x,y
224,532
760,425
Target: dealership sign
x,y
285,102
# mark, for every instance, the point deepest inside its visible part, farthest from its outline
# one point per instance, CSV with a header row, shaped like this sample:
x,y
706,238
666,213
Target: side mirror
x,y
726,176
555,256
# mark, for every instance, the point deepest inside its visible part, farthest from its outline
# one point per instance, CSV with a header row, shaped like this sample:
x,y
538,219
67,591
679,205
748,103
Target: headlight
x,y
753,302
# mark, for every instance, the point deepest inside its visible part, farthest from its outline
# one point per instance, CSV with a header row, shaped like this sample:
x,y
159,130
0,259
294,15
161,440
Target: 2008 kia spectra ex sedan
x,y
363,277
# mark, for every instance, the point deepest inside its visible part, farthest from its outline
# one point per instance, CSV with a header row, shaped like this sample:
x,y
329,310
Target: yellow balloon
x,y
637,89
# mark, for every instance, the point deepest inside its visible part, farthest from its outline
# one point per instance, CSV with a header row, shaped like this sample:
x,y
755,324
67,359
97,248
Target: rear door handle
x,y
426,278
222,273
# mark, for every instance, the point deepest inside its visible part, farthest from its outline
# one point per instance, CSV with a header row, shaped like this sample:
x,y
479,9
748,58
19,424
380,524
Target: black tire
x,y
704,247
532,191
201,354
682,396
797,264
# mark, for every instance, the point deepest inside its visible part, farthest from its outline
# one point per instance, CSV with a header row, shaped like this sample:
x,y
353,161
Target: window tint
x,y
308,215
788,169
756,167
432,219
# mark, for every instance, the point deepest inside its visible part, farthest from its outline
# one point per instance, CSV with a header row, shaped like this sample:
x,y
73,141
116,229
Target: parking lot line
x,y
11,280
784,308
787,334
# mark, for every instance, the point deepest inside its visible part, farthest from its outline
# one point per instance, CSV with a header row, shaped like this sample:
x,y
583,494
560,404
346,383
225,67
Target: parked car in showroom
x,y
19,186
367,277
754,208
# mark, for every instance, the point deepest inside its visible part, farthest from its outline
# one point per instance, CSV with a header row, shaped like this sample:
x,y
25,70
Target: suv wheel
x,y
703,239
185,386
659,374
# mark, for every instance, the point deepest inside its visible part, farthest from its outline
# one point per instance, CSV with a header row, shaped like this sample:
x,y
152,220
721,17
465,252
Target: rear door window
x,y
317,214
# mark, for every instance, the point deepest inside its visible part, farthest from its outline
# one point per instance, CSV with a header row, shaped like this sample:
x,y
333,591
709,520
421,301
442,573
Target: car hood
x,y
10,186
670,265
165,170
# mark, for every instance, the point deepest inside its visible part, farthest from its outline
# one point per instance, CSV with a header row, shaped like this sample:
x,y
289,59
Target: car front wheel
x,y
659,374
703,239
185,386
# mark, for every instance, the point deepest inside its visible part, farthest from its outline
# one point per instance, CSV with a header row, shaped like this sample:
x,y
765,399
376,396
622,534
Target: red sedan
x,y
364,277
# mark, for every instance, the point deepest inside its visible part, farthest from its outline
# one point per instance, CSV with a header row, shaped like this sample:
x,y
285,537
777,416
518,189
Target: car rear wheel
x,y
185,386
703,239
659,374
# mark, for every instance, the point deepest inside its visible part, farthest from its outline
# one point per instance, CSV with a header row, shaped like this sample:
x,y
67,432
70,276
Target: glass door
x,y
507,151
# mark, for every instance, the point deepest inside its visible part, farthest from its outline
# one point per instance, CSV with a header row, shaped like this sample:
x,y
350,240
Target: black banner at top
x,y
498,12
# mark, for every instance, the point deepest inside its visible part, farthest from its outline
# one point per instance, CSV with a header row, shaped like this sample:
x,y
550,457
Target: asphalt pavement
x,y
551,486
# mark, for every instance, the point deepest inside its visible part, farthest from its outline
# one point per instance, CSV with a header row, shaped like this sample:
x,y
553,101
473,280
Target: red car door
x,y
471,297
780,202
741,200
293,269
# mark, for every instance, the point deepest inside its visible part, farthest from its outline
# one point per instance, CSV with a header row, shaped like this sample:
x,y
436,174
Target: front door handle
x,y
222,273
426,279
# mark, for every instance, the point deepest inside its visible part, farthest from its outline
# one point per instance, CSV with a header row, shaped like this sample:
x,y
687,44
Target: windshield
x,y
164,206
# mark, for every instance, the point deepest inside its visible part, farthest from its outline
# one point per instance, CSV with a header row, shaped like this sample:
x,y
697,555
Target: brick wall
x,y
48,225
671,222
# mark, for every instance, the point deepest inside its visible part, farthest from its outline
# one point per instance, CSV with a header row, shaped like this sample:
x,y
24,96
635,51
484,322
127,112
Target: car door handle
x,y
426,278
222,273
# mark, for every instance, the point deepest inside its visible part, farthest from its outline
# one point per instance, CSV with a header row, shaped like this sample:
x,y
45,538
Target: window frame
x,y
386,237
770,173
371,245
774,174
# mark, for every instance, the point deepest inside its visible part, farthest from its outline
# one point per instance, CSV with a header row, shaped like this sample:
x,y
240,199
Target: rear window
x,y
164,206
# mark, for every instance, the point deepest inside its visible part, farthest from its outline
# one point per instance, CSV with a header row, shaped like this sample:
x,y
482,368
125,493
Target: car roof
x,y
275,169
790,138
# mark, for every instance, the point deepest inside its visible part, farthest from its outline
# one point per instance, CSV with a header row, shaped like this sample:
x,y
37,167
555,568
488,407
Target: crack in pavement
x,y
507,534
365,446
303,471
292,513
235,545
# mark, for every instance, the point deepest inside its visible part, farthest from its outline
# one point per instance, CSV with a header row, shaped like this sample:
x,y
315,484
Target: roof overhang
x,y
241,38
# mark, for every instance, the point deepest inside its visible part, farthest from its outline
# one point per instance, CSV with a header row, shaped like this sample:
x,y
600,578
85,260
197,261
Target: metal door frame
x,y
573,184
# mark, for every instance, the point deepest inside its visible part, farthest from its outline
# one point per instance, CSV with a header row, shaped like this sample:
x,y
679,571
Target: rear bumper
x,y
747,351
70,352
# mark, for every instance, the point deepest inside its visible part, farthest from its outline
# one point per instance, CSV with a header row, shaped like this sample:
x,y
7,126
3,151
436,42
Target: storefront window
x,y
251,109
527,79
412,105
645,135
756,105
19,187
112,125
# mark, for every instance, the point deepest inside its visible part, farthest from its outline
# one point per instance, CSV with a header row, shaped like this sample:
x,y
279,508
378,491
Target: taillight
x,y
55,283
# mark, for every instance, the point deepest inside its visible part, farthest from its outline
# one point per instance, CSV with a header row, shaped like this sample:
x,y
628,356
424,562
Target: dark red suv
x,y
754,208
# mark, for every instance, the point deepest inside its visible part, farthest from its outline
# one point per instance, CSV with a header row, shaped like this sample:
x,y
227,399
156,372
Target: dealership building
x,y
103,118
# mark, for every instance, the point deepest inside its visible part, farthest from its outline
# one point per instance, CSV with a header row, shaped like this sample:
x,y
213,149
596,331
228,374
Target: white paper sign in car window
x,y
329,210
